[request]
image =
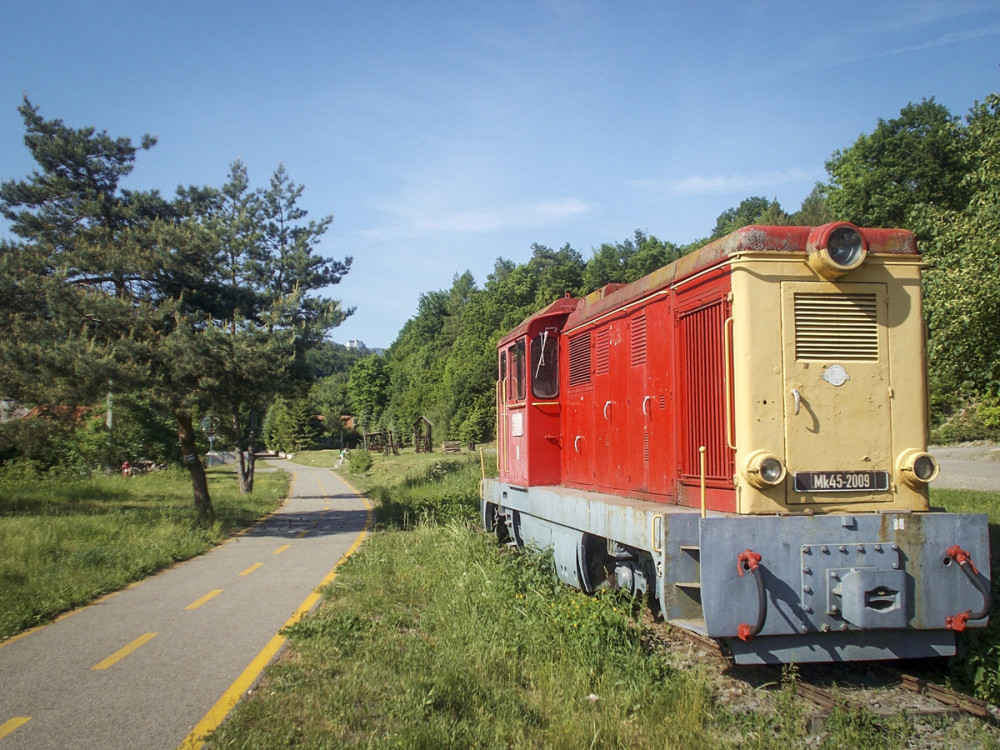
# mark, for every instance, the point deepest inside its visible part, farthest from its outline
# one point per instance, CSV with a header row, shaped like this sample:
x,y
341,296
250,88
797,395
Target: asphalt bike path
x,y
160,664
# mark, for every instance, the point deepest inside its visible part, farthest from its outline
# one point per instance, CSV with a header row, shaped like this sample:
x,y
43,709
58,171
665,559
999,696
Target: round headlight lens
x,y
917,468
764,469
924,468
771,470
833,250
845,247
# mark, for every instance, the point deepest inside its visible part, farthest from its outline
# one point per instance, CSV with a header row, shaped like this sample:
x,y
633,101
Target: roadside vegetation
x,y
68,540
434,636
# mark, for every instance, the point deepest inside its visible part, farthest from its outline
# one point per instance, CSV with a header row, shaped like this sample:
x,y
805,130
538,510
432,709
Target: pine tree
x,y
199,302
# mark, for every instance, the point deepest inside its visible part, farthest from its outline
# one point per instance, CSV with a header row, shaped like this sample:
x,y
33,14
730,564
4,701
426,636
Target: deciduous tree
x,y
962,281
914,159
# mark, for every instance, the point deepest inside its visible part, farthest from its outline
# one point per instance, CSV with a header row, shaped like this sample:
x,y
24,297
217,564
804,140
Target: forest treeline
x,y
143,325
926,170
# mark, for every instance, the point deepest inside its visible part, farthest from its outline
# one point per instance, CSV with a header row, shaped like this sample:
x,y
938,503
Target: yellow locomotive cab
x,y
839,395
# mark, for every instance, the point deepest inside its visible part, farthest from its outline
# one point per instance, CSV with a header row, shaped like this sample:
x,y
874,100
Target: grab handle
x,y
727,343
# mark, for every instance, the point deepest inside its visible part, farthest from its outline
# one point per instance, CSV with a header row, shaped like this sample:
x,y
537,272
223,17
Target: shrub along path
x,y
141,668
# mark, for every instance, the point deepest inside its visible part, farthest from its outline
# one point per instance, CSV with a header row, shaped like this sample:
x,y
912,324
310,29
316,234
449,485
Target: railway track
x,y
880,688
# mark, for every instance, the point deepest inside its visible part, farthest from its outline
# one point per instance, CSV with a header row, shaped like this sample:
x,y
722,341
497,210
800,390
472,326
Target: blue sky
x,y
443,135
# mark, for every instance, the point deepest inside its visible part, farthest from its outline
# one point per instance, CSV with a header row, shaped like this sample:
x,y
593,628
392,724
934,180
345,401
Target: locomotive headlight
x,y
764,469
845,247
917,468
834,249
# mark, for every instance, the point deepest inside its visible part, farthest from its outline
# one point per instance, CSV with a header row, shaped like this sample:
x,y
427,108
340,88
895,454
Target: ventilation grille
x,y
704,410
639,340
836,326
579,359
603,354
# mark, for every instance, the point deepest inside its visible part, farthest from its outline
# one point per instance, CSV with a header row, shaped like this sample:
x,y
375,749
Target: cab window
x,y
516,390
545,365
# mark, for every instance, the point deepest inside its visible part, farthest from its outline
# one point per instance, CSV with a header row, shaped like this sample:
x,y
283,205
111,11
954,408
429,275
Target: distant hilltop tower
x,y
355,344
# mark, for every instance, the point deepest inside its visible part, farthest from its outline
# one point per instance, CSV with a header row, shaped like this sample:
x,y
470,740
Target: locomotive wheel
x,y
490,517
596,566
496,523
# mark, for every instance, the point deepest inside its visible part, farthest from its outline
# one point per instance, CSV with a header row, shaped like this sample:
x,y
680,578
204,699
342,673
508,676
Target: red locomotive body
x,y
641,387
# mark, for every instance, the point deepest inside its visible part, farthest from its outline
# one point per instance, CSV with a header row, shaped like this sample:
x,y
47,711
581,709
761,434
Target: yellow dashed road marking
x,y
199,602
123,652
251,569
11,724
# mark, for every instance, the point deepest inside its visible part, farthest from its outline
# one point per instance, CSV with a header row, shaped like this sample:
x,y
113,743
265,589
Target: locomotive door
x,y
702,347
612,403
640,404
836,391
513,413
581,448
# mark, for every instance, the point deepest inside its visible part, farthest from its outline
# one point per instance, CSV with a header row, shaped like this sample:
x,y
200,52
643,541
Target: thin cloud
x,y
954,37
412,220
722,184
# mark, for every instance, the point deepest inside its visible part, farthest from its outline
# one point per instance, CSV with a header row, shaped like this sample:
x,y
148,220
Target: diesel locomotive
x,y
741,437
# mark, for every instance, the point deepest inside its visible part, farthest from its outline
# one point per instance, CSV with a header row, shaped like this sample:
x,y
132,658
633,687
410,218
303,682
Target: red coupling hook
x,y
751,558
957,623
960,556
964,560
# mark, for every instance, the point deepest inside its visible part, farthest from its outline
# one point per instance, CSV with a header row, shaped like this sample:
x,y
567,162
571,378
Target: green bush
x,y
978,420
479,425
360,461
79,441
446,491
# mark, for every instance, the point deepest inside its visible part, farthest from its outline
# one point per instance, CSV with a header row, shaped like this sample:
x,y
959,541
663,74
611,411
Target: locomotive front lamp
x,y
764,469
917,468
834,249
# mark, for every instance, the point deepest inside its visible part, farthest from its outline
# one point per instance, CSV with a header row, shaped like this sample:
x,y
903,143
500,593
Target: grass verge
x,y
66,541
432,636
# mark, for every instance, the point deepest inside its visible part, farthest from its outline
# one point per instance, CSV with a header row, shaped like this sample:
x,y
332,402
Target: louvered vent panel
x,y
579,359
603,354
639,340
703,363
836,326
